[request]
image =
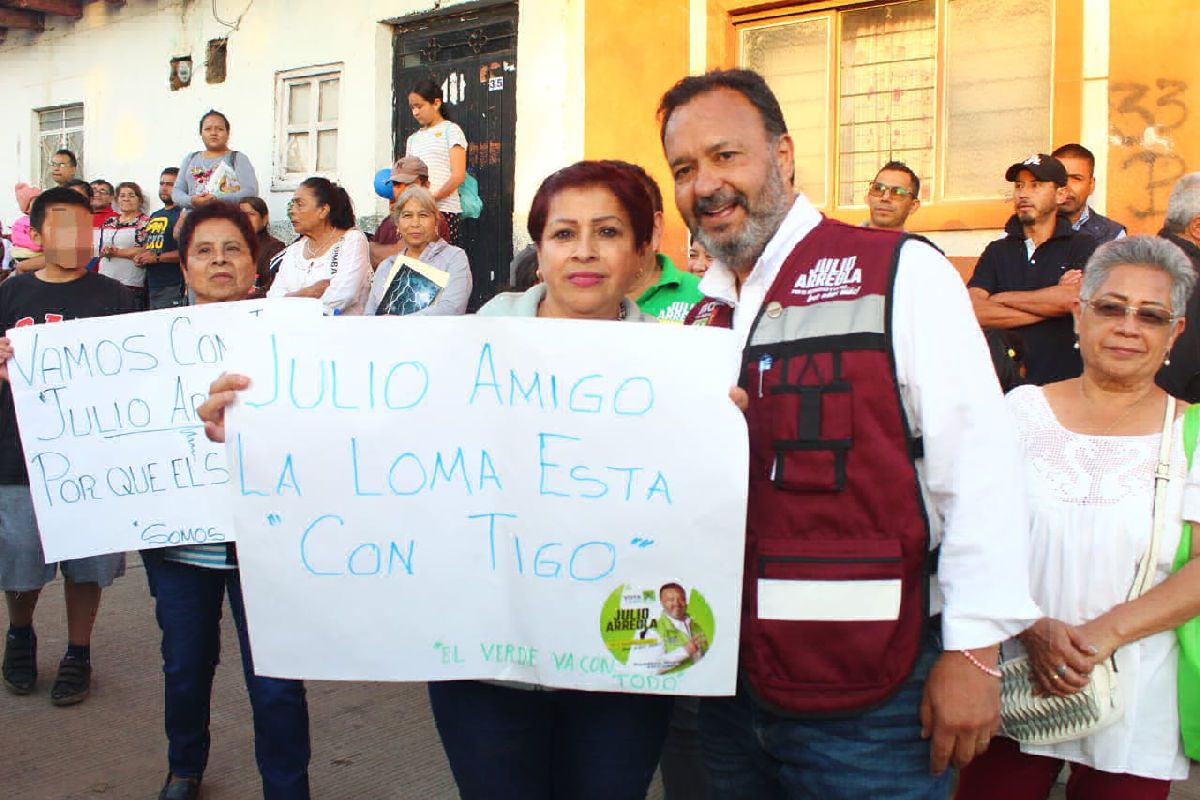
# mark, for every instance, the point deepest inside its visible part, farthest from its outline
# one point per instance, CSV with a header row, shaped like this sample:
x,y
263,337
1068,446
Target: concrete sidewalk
x,y
370,740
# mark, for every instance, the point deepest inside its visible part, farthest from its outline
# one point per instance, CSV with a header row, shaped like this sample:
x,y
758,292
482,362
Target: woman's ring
x,y
1061,670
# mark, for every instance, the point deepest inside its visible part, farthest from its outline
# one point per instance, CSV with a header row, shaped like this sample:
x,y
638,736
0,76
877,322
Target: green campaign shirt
x,y
673,296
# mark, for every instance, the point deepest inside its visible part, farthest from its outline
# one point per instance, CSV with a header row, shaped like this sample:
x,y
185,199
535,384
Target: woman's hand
x,y
740,399
1061,659
316,290
201,199
1100,637
221,394
5,355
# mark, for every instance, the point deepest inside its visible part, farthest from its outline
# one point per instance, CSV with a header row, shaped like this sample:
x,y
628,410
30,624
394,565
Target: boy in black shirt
x,y
63,289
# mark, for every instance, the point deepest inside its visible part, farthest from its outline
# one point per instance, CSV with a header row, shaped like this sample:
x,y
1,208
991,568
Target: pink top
x,y
21,236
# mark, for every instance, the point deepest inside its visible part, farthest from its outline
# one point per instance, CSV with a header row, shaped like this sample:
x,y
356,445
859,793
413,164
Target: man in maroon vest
x,y
880,453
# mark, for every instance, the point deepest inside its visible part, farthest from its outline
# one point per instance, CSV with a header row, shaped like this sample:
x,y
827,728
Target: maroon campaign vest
x,y
834,604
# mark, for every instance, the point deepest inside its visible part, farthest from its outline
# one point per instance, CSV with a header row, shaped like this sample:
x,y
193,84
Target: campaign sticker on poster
x,y
657,630
550,501
106,409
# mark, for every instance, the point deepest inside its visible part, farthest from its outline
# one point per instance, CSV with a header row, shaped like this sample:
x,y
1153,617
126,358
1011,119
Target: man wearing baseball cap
x,y
1027,281
406,171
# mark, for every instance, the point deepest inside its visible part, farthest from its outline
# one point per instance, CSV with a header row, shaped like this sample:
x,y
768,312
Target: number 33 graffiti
x,y
1145,131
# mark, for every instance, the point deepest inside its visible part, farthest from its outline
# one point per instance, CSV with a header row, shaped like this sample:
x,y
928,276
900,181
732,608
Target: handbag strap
x,y
1162,477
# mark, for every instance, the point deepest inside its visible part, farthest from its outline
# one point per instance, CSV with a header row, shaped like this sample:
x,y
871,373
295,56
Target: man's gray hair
x,y
1145,251
1184,204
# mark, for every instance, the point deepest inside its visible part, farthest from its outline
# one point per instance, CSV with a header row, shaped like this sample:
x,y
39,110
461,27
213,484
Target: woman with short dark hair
x,y
592,224
121,238
217,248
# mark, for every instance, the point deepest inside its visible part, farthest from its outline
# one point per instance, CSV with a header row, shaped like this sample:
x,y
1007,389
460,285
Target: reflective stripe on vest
x,y
835,318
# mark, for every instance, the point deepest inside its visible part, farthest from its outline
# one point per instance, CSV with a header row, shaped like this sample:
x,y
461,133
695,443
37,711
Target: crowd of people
x,y
910,526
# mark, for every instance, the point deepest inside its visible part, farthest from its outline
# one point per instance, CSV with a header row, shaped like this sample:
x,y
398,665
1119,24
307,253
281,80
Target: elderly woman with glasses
x,y
1091,445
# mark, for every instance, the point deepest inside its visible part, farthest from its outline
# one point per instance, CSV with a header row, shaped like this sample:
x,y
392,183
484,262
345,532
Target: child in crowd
x,y
23,245
61,223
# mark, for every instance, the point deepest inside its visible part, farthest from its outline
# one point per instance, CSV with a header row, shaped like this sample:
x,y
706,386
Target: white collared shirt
x,y
971,474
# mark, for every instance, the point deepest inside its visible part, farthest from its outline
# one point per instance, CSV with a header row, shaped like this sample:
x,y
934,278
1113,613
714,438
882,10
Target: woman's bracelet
x,y
995,673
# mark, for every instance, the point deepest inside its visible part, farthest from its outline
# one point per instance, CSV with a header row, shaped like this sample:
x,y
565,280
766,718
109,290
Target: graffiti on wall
x,y
1143,118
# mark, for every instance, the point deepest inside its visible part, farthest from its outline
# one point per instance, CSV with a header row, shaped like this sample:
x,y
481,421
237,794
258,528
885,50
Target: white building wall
x,y
116,61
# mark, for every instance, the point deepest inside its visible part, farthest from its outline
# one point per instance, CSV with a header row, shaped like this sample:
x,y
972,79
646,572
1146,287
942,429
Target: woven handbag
x,y
1039,720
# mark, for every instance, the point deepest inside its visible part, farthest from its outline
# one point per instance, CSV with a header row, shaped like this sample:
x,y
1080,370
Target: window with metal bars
x,y
942,85
59,128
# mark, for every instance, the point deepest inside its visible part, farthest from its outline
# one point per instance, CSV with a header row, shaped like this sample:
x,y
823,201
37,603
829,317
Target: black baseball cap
x,y
1043,167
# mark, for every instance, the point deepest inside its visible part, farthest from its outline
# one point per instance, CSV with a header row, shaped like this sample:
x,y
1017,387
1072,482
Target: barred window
x,y
926,82
58,128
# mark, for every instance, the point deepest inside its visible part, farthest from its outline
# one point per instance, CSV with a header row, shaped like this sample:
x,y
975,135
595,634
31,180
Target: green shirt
x,y
673,296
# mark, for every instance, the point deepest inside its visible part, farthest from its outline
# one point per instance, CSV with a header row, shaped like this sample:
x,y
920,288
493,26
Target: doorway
x,y
472,55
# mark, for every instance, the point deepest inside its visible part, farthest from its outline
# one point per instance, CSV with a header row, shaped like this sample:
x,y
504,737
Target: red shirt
x,y
100,217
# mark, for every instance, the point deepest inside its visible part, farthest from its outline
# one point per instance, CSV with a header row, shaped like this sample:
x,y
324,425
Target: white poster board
x,y
106,409
448,498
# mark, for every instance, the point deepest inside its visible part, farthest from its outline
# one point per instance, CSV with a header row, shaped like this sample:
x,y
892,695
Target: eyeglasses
x,y
60,163
101,190
1151,316
877,189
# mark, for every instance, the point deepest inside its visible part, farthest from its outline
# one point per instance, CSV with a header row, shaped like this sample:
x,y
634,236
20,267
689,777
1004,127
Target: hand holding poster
x,y
559,502
106,408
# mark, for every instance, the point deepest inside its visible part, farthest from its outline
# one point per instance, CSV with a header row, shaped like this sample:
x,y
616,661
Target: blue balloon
x,y
383,183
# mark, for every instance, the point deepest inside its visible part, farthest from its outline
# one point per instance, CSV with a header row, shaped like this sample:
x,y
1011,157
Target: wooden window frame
x,y
726,19
281,179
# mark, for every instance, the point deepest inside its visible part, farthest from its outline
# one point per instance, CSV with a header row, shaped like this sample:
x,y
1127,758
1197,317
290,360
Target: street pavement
x,y
369,740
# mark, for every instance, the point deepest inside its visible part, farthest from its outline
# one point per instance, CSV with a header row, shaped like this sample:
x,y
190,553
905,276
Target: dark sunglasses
x,y
1152,316
877,189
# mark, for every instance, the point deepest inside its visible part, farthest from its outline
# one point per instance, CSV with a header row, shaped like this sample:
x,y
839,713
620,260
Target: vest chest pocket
x,y
809,414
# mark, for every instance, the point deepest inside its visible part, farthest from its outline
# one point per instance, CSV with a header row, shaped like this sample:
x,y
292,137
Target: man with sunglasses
x,y
893,196
1027,281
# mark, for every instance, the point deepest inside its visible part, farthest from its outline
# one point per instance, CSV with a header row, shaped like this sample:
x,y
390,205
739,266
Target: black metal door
x,y
472,55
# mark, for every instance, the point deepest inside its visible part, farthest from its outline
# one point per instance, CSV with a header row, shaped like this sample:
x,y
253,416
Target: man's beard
x,y
763,217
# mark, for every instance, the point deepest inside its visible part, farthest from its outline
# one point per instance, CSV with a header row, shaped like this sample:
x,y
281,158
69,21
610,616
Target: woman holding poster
x,y
591,223
217,249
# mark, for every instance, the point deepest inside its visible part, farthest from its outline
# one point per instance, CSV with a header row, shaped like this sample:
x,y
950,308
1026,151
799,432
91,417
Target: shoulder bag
x,y
1188,633
1040,720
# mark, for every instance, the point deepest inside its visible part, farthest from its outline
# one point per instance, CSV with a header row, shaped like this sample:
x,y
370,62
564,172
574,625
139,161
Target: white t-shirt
x,y
432,145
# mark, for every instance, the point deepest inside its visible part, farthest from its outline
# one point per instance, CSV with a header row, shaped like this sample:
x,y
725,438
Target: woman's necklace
x,y
328,240
1123,415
